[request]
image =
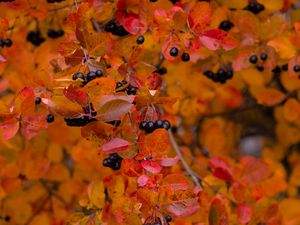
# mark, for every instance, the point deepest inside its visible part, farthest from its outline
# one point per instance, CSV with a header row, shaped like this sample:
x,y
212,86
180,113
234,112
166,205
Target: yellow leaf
x,y
283,47
96,194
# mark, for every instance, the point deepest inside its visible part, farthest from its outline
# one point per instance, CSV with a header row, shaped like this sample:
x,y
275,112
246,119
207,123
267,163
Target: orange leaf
x,y
199,17
268,96
291,110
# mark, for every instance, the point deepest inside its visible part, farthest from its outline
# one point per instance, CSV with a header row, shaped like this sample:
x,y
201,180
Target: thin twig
x,y
184,163
76,4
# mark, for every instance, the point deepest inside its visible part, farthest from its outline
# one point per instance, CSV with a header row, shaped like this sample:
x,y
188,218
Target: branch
x,y
184,163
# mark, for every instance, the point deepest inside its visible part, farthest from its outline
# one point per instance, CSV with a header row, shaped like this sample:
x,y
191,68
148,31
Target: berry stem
x,y
184,163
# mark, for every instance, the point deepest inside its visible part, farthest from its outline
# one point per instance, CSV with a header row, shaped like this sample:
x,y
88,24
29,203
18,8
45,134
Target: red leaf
x,y
131,168
244,213
199,17
184,207
142,180
220,169
151,166
115,145
254,170
9,128
215,39
114,110
168,162
75,94
217,213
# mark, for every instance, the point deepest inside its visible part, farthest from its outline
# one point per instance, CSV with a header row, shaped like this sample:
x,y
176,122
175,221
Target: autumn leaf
x,y
115,145
268,96
244,213
220,168
217,213
96,194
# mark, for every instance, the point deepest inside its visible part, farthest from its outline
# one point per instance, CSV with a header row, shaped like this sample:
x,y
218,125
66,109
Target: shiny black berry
x,y
38,100
130,90
260,68
77,76
253,59
166,124
174,51
296,68
7,218
99,73
158,124
161,70
91,76
50,118
140,40
116,165
263,56
107,162
208,74
168,218
229,74
226,25
142,125
7,42
110,26
285,67
149,128
185,57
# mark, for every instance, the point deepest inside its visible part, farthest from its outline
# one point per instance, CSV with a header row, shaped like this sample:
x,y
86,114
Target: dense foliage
x,y
149,112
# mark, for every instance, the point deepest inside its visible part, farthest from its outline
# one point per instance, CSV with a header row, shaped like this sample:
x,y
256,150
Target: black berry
x,y
296,68
140,40
174,51
285,67
91,76
158,124
185,57
229,74
130,90
255,7
50,118
99,73
142,125
168,218
260,68
149,128
161,70
166,124
78,75
7,42
208,74
38,100
263,56
253,59
107,162
110,26
226,25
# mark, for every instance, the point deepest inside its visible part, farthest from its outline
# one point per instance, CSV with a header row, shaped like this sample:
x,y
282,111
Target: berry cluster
x,y
254,59
130,90
185,57
90,76
226,25
113,28
5,42
55,33
35,38
83,120
55,1
222,75
149,126
255,7
157,221
113,161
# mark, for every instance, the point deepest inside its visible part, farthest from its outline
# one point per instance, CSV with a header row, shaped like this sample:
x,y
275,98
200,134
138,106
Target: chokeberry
x,y
263,56
285,67
174,51
255,7
38,100
253,59
78,75
99,73
50,118
168,218
149,128
226,25
142,125
161,70
166,124
260,68
7,218
35,38
107,162
153,0
110,26
229,74
7,42
120,31
208,74
296,68
91,76
276,70
221,72
130,90
116,165
158,124
185,57
140,40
